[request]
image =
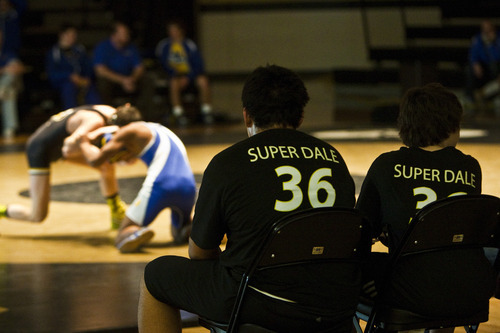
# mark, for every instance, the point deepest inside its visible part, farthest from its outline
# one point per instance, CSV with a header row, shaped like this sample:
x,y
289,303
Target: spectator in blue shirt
x,y
69,70
11,70
484,65
182,61
118,66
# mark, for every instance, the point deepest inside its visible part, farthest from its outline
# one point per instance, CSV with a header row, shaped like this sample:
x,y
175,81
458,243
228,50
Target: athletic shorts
x,y
203,287
45,145
206,288
151,200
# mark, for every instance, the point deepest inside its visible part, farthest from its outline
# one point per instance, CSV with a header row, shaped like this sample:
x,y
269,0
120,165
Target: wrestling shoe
x,y
118,209
181,235
135,241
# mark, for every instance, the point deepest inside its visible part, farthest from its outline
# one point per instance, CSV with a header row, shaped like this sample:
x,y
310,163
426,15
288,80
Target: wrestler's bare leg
x,y
40,197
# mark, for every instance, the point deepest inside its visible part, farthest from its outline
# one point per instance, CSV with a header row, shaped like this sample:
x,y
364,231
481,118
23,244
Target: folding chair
x,y
315,236
466,222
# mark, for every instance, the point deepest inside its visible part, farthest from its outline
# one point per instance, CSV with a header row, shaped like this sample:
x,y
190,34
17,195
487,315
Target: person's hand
x,y
128,84
71,145
102,130
79,81
477,70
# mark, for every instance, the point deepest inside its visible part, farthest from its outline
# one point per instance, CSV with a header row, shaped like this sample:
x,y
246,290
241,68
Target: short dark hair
x,y
428,115
274,95
125,114
116,23
179,23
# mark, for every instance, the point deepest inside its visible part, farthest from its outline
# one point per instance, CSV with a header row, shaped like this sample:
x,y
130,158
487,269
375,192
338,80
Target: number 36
x,y
316,183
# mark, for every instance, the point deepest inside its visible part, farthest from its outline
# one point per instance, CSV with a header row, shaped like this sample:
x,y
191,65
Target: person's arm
x,y
130,82
197,253
88,123
137,72
112,151
103,71
196,60
14,67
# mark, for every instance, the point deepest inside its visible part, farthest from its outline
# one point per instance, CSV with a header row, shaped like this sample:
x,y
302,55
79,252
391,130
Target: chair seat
x,y
213,326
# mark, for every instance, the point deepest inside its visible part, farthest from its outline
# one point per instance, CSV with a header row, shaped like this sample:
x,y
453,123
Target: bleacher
x,y
431,51
40,24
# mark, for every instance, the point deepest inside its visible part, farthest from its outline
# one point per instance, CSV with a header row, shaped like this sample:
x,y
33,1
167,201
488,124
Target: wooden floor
x,y
61,275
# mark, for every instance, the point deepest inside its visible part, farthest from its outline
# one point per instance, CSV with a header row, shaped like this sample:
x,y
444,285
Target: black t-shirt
x,y
250,185
400,182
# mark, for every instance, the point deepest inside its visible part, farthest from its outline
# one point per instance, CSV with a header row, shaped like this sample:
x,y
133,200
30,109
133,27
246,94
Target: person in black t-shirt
x,y
244,190
401,182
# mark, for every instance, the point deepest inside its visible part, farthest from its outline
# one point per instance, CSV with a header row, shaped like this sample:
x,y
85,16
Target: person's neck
x,y
451,141
277,126
117,45
434,148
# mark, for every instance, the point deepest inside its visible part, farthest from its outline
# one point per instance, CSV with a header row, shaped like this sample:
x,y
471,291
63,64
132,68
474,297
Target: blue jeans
x,y
8,96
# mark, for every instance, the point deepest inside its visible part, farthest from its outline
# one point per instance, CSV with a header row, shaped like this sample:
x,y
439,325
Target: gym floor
x,y
65,275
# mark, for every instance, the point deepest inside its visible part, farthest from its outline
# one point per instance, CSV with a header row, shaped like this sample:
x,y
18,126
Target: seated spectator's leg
x,y
9,118
8,95
181,283
177,85
471,85
204,87
155,316
68,92
107,90
206,98
473,90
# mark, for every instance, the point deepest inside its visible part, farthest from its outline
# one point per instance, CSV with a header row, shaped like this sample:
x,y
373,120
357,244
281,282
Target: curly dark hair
x,y
274,95
428,115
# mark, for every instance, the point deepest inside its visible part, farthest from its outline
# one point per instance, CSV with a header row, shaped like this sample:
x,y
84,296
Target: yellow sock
x,y
118,208
3,211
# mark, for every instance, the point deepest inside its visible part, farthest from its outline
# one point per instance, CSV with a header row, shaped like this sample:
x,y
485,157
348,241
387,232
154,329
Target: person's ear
x,y
247,119
300,121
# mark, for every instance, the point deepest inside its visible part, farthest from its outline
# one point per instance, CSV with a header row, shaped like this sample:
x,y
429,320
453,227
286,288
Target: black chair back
x,y
455,223
320,235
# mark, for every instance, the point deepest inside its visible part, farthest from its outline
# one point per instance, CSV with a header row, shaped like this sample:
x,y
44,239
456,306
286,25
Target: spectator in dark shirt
x,y
69,70
118,65
10,15
484,67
